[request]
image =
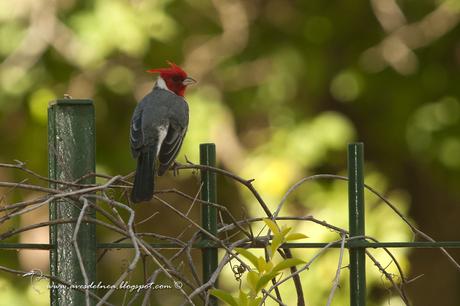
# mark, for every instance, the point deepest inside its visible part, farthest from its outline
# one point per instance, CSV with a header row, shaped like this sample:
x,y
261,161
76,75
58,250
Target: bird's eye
x,y
176,79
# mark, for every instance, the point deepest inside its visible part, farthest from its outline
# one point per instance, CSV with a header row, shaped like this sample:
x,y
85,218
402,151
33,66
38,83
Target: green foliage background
x,y
283,87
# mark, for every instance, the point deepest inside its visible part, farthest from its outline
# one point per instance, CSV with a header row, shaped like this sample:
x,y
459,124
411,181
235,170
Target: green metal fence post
x,y
71,154
356,223
208,212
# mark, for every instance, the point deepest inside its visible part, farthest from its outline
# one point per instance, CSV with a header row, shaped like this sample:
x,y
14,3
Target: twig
x,y
388,276
220,207
194,199
77,250
52,278
247,183
337,273
129,228
381,197
307,265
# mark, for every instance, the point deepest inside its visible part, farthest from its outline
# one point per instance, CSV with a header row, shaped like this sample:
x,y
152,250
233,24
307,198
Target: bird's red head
x,y
175,78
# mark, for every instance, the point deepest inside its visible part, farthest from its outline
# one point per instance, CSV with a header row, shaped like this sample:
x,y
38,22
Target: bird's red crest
x,y
173,76
172,70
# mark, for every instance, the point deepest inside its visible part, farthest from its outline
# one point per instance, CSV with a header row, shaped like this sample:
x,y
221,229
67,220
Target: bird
x,y
158,127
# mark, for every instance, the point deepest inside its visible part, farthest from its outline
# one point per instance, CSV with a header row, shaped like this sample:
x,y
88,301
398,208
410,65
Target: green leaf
x,y
261,264
264,280
268,266
287,263
251,257
272,225
252,279
255,302
276,242
243,299
264,266
285,230
224,297
295,236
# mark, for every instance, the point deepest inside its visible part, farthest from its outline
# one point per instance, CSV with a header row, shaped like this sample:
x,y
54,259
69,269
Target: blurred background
x,y
283,87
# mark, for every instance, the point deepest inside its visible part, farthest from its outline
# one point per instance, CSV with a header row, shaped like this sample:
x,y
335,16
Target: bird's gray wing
x,y
170,147
136,136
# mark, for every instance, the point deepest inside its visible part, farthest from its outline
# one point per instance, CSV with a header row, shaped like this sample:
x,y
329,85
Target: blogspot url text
x,y
122,286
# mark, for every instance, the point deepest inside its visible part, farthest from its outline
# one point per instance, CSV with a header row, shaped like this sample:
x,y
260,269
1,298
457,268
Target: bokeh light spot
x,y
449,153
346,86
38,104
447,111
119,79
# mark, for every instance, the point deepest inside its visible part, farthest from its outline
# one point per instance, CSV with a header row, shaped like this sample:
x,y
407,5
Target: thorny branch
x,y
174,266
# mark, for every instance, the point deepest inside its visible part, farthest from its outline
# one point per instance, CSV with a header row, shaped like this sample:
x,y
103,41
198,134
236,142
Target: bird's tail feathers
x,y
144,177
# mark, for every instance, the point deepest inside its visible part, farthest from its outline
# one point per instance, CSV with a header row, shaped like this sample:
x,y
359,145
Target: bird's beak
x,y
188,81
